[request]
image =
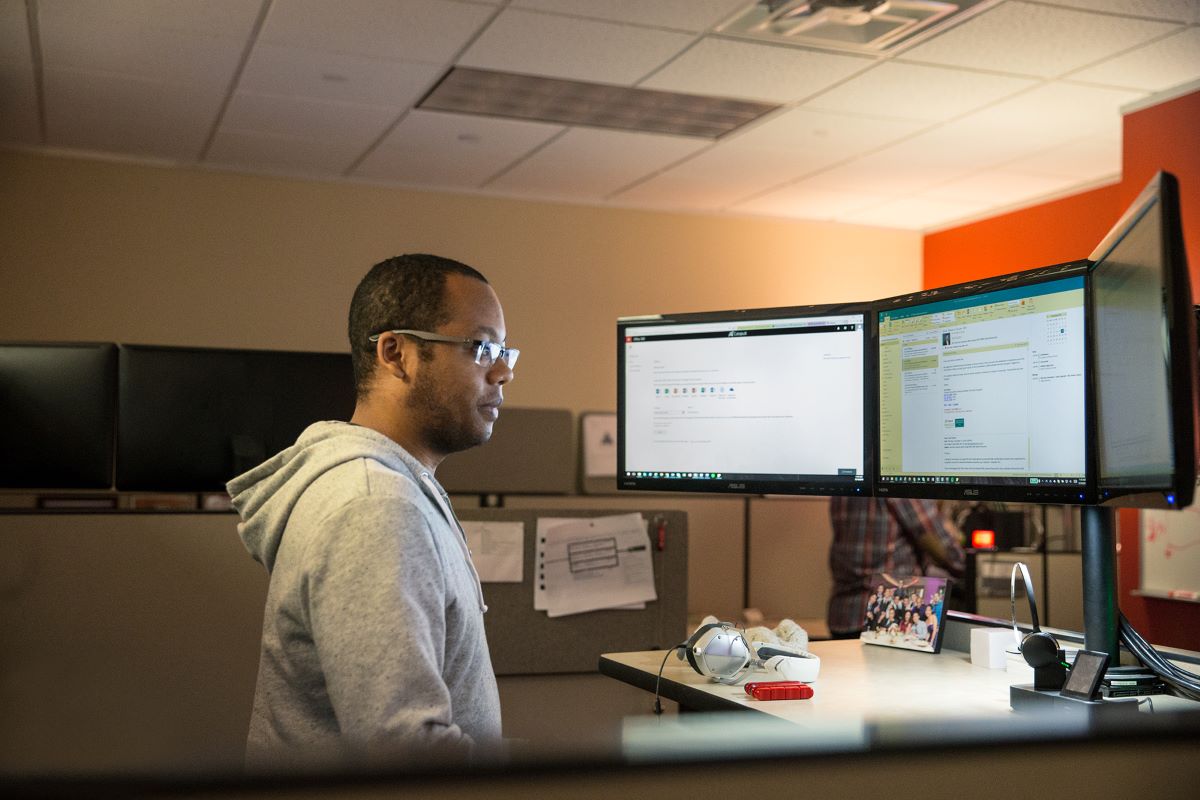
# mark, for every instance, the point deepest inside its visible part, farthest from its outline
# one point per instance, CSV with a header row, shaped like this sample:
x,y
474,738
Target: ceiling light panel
x,y
766,73
572,48
1027,39
432,31
527,97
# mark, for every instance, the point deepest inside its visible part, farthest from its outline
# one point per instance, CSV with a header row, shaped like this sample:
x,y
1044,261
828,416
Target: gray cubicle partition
x,y
531,451
528,642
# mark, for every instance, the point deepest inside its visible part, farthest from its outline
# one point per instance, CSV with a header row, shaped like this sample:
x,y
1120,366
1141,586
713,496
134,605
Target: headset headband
x,y
1012,598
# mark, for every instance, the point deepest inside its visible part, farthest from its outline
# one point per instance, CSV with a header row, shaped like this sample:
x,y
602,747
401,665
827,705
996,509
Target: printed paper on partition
x,y
592,564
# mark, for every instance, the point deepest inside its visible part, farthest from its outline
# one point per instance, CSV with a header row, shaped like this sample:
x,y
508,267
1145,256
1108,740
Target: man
x,y
871,536
373,636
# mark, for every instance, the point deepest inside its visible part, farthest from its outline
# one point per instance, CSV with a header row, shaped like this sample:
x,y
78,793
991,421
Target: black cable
x,y
1183,683
658,680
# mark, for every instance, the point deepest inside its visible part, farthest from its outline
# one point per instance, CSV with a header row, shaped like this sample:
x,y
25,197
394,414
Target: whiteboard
x,y
1171,552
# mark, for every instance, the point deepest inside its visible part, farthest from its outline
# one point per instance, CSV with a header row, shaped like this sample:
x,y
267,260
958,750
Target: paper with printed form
x,y
497,549
592,564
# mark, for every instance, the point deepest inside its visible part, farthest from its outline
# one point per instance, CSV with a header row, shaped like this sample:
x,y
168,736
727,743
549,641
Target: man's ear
x,y
393,358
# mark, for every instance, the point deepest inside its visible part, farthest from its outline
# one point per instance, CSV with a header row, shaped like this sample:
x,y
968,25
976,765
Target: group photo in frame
x,y
906,611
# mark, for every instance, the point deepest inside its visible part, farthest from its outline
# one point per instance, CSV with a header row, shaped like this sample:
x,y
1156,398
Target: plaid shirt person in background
x,y
898,536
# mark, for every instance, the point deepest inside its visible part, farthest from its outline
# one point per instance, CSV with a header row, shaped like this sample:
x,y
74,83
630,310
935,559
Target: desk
x,y
857,683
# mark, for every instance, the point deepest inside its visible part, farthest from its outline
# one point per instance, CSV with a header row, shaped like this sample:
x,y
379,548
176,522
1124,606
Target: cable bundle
x,y
1183,683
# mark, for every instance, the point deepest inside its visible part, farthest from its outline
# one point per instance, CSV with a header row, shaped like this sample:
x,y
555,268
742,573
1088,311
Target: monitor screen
x,y
190,419
1144,330
57,415
759,401
982,390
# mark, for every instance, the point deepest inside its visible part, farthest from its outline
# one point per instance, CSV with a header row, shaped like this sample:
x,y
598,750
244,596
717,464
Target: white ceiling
x,y
1016,104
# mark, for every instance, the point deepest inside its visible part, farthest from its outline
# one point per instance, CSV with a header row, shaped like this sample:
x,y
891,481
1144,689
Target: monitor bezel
x,y
1073,494
826,486
1179,491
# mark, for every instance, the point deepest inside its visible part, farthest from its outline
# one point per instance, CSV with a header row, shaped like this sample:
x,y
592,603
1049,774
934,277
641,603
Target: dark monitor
x,y
982,390
57,415
753,401
1145,356
191,419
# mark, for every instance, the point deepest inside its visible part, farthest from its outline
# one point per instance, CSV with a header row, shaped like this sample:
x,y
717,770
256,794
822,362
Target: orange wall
x,y
1160,137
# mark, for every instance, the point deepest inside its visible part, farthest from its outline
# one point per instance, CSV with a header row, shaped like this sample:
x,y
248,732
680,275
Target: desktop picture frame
x,y
906,611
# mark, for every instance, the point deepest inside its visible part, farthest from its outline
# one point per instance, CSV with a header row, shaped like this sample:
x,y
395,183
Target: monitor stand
x,y
1100,609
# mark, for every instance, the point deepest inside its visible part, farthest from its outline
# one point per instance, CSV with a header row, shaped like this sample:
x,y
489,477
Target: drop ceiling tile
x,y
1173,10
123,114
355,124
567,47
896,171
270,152
684,15
710,181
14,31
212,17
136,47
914,213
999,187
1089,159
585,163
800,201
1030,39
451,150
728,68
821,137
18,104
432,31
318,74
1166,63
911,91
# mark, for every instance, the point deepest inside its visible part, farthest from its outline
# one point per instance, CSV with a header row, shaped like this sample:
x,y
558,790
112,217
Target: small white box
x,y
988,646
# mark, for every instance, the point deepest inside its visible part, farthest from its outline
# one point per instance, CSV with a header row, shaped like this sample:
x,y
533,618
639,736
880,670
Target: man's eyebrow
x,y
489,332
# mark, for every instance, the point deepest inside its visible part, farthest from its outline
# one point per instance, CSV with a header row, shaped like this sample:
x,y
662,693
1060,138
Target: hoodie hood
x,y
266,495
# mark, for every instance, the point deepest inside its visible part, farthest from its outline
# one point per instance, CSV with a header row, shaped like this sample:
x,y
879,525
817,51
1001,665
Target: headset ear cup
x,y
1040,650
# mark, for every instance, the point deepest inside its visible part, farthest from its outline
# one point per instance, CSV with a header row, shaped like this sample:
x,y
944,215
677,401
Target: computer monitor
x,y
1145,355
190,419
57,415
982,390
750,401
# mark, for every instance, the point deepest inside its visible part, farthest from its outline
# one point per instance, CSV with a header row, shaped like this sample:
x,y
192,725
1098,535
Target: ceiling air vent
x,y
873,27
506,94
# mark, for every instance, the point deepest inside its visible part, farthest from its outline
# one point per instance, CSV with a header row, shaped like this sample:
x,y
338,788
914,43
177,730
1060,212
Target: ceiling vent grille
x,y
872,27
599,105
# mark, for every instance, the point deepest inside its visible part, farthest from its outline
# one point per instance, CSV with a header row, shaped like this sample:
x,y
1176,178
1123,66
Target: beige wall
x,y
120,252
105,251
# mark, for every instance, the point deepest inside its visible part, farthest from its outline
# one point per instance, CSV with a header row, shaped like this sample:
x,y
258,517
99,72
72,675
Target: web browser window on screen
x,y
987,388
778,397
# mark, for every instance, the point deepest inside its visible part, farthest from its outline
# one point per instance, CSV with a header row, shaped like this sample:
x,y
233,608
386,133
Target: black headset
x,y
1039,648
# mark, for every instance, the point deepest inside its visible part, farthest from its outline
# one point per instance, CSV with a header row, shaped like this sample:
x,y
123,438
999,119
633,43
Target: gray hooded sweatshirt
x,y
373,633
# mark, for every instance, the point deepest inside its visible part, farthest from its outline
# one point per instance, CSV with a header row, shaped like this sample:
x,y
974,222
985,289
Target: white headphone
x,y
719,651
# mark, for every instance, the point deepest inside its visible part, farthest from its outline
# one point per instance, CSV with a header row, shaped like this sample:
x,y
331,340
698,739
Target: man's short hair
x,y
400,292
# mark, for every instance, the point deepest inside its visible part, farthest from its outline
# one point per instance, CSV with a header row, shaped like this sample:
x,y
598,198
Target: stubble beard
x,y
443,432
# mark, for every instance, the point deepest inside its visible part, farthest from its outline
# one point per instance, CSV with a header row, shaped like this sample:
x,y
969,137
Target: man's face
x,y
458,400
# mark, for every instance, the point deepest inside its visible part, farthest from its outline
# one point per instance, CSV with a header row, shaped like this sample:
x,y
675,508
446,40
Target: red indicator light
x,y
983,540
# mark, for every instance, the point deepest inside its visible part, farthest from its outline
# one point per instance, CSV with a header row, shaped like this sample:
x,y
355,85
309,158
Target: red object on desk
x,y
779,690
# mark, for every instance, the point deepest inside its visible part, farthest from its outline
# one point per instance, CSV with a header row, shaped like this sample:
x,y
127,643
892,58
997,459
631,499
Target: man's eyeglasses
x,y
486,353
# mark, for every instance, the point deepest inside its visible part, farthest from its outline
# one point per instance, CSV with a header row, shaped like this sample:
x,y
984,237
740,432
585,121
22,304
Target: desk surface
x,y
857,682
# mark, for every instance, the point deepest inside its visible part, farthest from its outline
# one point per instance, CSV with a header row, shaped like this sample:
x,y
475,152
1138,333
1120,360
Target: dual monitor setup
x,y
1073,384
